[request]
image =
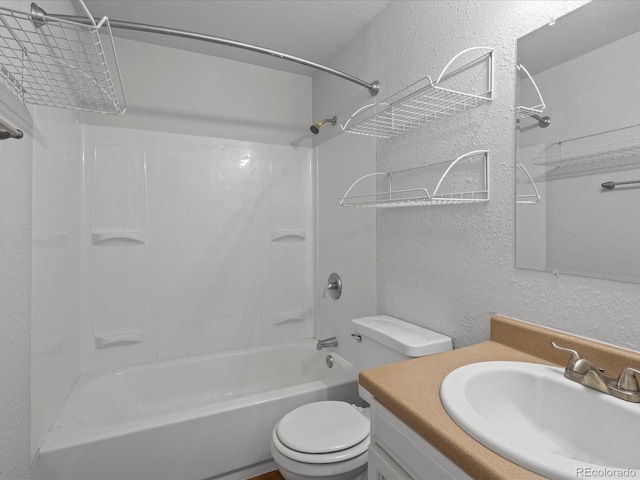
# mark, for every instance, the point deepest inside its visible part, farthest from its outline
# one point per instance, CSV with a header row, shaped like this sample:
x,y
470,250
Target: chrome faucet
x,y
584,372
327,343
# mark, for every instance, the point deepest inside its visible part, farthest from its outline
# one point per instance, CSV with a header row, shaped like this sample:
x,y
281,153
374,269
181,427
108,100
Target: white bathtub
x,y
201,417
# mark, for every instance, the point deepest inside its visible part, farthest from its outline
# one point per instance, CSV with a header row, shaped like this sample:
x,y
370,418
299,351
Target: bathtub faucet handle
x,y
327,343
334,286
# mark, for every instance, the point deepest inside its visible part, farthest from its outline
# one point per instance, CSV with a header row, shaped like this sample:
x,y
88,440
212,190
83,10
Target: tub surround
x,y
171,414
411,389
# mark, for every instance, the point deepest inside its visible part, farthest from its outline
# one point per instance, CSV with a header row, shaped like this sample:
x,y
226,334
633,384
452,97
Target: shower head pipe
x,y
38,17
315,128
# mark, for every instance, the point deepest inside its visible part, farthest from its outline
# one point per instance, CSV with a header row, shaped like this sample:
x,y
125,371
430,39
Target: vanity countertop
x,y
411,389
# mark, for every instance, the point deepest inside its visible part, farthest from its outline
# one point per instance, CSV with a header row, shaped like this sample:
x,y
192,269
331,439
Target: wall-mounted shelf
x,y
58,63
611,152
523,111
423,102
527,198
469,169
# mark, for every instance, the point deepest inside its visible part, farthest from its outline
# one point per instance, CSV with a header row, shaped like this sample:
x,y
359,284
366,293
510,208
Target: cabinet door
x,y
382,467
417,458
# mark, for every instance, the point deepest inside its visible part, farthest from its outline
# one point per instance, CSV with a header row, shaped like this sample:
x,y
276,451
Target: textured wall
x,y
15,308
15,294
450,267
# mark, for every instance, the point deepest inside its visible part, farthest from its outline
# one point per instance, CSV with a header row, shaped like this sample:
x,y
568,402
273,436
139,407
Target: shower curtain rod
x,y
7,131
39,17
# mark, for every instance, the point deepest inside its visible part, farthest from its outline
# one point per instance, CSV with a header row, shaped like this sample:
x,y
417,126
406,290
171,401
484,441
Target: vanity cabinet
x,y
398,453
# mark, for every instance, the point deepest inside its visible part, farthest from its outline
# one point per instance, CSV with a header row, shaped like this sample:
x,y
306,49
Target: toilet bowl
x,y
326,440
330,439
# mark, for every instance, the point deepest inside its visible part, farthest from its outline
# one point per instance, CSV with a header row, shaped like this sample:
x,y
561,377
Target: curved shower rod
x,y
39,18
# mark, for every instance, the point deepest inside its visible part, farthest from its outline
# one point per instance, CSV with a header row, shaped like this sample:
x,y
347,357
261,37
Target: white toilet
x,y
329,440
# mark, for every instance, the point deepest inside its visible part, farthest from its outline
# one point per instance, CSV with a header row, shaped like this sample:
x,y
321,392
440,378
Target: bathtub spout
x,y
327,343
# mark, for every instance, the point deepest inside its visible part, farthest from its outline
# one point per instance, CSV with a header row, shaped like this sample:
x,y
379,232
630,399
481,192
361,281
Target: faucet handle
x,y
577,364
330,286
334,286
628,380
575,356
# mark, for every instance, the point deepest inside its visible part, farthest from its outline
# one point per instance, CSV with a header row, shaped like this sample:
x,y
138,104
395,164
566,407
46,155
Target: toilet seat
x,y
322,432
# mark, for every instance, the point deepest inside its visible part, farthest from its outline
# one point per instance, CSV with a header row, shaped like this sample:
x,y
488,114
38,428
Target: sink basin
x,y
530,414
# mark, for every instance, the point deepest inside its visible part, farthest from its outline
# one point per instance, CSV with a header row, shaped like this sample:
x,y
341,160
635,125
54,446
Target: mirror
x,y
578,144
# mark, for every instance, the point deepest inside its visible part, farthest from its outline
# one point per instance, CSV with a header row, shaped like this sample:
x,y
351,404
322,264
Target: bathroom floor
x,y
275,475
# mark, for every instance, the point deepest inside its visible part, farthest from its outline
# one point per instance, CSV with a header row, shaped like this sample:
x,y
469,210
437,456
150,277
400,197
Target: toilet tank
x,y
383,340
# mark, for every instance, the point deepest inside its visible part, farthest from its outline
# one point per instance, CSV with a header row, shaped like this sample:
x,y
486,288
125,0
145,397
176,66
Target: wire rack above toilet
x,y
464,180
58,63
425,101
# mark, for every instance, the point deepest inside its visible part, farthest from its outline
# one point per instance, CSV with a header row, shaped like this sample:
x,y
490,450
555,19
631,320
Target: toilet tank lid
x,y
406,338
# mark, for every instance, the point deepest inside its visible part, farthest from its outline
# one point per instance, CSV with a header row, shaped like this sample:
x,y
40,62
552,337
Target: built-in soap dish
x,y
119,338
288,236
288,317
120,238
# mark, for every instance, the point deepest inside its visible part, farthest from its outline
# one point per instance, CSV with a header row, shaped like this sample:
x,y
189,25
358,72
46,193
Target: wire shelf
x,y
522,111
57,63
612,152
413,197
428,104
527,198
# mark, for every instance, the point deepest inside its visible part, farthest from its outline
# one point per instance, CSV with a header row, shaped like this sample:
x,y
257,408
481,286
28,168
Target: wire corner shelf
x,y
60,63
411,108
521,110
527,198
420,196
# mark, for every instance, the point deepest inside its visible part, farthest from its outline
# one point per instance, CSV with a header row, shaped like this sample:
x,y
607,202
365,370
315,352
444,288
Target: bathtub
x,y
209,416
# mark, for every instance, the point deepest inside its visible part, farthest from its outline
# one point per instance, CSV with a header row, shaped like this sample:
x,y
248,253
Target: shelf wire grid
x,y
425,106
527,198
428,104
59,63
414,197
625,150
521,110
420,199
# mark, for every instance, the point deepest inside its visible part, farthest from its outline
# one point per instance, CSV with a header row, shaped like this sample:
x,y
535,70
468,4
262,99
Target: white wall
x,y
216,140
181,107
448,268
212,245
54,316
346,238
170,90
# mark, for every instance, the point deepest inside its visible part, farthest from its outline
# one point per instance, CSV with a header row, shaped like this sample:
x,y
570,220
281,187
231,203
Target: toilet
x,y
330,439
